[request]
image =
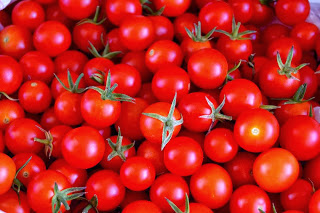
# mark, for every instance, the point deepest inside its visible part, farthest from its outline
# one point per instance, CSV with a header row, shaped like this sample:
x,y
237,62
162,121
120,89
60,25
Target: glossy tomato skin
x,y
34,96
207,68
71,60
58,132
9,202
211,185
9,111
197,208
76,177
249,198
301,136
11,74
192,106
162,53
170,186
314,205
34,167
146,93
7,171
141,206
189,46
311,173
183,156
240,95
83,147
129,120
186,20
106,184
275,170
151,128
172,8
54,13
220,145
168,81
306,34
91,67
2,143
274,31
243,9
84,8
262,14
19,136
297,196
240,169
29,14
163,28
15,41
256,130
308,76
49,119
52,37
97,112
41,190
132,196
292,12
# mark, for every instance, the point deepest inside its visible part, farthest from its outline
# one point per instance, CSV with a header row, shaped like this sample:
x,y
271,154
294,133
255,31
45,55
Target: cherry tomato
x,y
10,202
262,14
10,74
274,31
311,173
96,66
141,206
314,204
186,20
7,171
163,28
243,10
84,8
306,34
132,196
291,12
71,60
172,8
9,111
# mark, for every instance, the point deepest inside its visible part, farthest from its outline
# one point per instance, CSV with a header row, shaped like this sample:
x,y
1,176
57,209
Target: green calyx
x,y
273,209
148,10
94,20
215,113
229,77
117,148
235,34
47,141
106,51
286,69
98,77
196,36
175,207
7,96
108,92
61,197
73,86
169,123
298,96
92,204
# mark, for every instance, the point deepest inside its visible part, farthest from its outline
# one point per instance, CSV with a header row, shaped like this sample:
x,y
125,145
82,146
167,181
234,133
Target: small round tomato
x,y
180,23
172,8
291,12
52,38
84,8
273,32
146,93
163,28
57,133
262,14
54,13
94,66
197,208
49,119
11,74
308,76
211,185
243,10
113,39
275,170
7,171
83,147
311,173
141,206
314,204
10,202
9,111
306,34
71,60
108,188
183,156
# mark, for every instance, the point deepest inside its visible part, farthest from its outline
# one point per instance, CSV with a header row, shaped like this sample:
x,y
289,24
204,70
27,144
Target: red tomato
x,y
274,31
141,206
10,202
262,14
163,28
54,13
211,185
291,12
132,196
9,111
306,34
83,147
113,39
311,173
2,143
207,68
301,136
275,170
107,186
172,8
10,74
49,119
7,171
71,60
308,76
84,8
146,93
314,204
249,198
243,9
197,208
186,20
96,66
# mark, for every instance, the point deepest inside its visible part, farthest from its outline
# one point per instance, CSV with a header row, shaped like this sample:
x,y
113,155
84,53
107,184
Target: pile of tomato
x,y
186,106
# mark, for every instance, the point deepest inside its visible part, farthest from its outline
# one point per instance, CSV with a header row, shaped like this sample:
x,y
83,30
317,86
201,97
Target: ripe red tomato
x,y
163,28
83,147
243,10
10,202
57,133
306,34
274,31
314,204
54,13
96,66
84,8
172,8
71,60
141,206
186,20
10,74
291,12
8,172
9,111
275,170
311,173
262,14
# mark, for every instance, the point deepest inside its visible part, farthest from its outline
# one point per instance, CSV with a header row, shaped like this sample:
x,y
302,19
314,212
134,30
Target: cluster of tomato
x,y
159,106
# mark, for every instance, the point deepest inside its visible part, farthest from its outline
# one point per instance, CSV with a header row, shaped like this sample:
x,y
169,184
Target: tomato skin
x,y
2,143
216,14
262,14
9,111
311,173
292,12
256,130
19,136
106,184
41,190
84,8
183,156
34,96
189,46
186,20
52,38
91,67
9,202
243,9
197,208
275,170
132,196
249,198
274,31
15,41
141,206
113,37
151,128
314,204
207,68
306,34
129,120
7,171
211,185
301,136
146,93
29,14
297,197
240,95
163,28
168,81
240,169
220,145
49,119
58,132
170,186
54,13
10,74
76,177
308,76
162,53
172,8
83,147
71,60
97,112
